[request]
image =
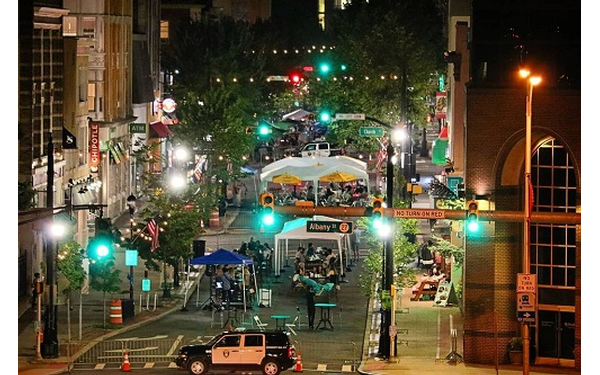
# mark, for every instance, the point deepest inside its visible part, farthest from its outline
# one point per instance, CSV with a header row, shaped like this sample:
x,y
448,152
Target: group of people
x,y
334,194
316,271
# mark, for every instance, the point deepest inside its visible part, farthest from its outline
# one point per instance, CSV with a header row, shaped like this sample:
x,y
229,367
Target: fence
x,y
162,349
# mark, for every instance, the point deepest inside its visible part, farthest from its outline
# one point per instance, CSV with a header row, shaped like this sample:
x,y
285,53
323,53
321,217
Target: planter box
x,y
515,358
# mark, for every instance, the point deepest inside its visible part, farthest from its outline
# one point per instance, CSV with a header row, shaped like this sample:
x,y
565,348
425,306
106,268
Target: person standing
x,y
357,233
310,307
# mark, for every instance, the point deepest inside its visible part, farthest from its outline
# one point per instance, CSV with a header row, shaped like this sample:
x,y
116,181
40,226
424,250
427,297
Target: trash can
x,y
128,309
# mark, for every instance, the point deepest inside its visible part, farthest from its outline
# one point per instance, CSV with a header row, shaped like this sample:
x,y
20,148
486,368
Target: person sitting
x,y
312,284
310,194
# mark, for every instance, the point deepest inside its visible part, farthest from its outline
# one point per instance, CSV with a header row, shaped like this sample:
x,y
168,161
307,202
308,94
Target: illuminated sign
x,y
95,154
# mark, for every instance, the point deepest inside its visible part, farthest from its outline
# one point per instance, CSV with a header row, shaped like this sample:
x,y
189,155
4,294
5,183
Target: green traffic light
x,y
268,219
325,116
100,247
324,68
264,129
473,226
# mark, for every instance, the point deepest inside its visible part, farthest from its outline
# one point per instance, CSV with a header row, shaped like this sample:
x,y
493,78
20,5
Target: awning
x,y
438,155
159,130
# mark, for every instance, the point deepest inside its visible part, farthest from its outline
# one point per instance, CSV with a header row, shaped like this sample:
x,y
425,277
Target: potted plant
x,y
515,350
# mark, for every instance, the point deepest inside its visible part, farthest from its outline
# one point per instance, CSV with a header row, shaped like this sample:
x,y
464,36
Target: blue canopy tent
x,y
224,256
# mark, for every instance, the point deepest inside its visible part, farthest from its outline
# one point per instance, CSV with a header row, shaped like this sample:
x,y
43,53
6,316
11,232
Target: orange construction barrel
x,y
116,312
214,218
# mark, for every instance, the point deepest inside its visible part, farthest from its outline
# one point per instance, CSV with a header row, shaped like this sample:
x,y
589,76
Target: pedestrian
x,y
357,233
425,256
310,307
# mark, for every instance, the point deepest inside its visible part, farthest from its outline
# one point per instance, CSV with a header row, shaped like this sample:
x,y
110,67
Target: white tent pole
x,y
244,286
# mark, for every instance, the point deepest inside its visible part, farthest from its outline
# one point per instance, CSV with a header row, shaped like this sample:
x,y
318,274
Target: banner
x,y
441,105
69,141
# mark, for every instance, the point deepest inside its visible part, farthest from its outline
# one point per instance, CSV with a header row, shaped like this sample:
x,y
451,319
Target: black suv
x,y
268,351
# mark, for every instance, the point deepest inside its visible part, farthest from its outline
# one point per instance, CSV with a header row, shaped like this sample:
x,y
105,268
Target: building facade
x,y
487,131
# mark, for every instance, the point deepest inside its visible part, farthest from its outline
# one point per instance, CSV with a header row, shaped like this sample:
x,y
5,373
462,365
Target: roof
x,y
222,256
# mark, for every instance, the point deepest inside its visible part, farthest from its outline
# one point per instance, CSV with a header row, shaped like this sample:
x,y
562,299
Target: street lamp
x,y
531,81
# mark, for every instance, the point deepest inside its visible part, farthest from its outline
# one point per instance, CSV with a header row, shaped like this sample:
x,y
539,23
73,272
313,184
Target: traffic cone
x,y
298,367
126,366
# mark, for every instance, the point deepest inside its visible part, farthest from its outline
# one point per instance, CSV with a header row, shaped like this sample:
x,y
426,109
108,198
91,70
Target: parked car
x,y
268,351
320,150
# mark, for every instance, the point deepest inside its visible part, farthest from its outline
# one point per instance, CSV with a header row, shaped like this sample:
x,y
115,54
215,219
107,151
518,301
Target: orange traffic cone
x,y
298,367
126,366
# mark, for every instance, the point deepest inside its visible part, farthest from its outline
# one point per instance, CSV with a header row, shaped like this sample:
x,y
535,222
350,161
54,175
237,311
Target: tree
x,y
105,278
26,196
69,265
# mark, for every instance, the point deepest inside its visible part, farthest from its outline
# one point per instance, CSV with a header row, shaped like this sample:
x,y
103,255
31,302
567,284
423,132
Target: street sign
x,y
146,285
371,131
421,213
349,116
526,282
526,316
329,226
277,78
526,302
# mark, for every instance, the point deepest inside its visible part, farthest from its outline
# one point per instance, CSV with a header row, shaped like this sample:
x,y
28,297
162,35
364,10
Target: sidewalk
x,y
417,357
28,365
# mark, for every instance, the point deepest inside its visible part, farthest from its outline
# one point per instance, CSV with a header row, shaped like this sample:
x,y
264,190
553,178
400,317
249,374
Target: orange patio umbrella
x,y
338,176
287,178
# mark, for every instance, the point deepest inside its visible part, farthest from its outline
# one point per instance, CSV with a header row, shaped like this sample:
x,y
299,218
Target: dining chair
x,y
292,325
259,323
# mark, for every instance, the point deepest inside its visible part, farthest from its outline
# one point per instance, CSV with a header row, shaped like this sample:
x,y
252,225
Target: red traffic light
x,y
295,78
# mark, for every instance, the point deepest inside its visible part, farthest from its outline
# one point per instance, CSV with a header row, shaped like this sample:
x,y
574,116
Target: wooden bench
x,y
426,288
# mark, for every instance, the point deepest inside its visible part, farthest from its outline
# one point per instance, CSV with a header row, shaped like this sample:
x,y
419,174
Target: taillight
x,y
290,352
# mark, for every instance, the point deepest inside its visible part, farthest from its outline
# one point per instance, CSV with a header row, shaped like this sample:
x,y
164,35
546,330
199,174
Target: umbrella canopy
x,y
287,178
338,176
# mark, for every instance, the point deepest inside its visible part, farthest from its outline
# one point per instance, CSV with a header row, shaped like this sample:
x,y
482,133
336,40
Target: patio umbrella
x,y
338,176
287,178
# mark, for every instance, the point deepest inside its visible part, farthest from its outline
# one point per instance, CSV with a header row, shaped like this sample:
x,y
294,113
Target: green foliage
x,y
448,250
26,196
515,344
69,264
404,253
105,277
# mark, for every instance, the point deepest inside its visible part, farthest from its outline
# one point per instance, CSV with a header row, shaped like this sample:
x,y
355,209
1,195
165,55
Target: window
x,y
69,26
89,27
164,31
229,341
253,340
91,97
553,246
82,85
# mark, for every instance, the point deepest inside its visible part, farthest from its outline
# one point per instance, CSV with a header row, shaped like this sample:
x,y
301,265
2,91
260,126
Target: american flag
x,y
153,230
381,158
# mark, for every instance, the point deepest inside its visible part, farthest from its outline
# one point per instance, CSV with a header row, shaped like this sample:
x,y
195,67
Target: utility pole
x,y
50,345
388,261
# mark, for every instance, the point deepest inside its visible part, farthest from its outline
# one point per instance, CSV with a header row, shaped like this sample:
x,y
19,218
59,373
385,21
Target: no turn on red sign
x,y
526,282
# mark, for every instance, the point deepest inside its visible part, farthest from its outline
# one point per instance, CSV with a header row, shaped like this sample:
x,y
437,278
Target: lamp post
x,y
385,342
531,81
49,347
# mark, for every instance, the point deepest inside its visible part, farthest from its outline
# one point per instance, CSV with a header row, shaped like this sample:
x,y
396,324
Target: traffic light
x,y
264,129
324,116
101,245
377,215
472,216
267,201
295,78
324,67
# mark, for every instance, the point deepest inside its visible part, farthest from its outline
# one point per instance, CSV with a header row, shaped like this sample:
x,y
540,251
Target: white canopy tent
x,y
296,230
312,169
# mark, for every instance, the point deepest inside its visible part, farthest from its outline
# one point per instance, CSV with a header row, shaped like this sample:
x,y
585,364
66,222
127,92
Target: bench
x,y
426,288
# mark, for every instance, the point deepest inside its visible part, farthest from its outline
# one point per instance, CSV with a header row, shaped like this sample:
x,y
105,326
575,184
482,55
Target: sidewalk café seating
x,y
259,323
425,288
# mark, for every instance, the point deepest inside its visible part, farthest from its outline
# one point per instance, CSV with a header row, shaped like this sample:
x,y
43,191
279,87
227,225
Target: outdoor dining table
x,y
325,315
280,321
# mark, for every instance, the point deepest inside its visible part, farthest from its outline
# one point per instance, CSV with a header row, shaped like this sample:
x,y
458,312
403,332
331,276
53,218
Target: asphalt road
x,y
333,350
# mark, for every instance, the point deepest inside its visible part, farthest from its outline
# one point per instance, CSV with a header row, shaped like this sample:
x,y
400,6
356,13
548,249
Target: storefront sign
x,y
95,155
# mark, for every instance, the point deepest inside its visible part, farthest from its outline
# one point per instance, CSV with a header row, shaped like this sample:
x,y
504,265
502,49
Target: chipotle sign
x,y
95,154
